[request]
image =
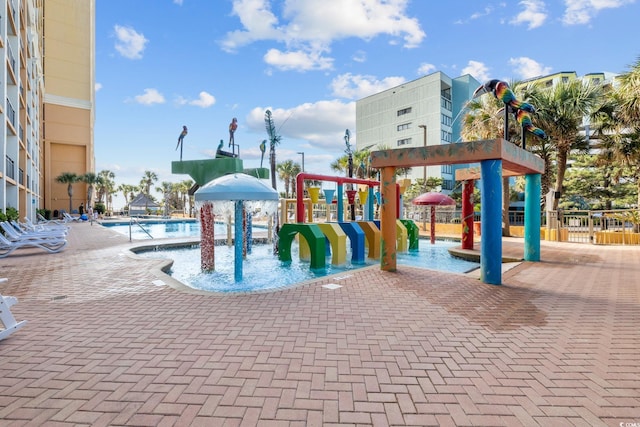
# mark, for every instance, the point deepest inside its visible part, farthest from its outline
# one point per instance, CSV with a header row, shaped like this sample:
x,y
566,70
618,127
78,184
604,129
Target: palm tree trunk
x,y
272,163
70,193
546,178
561,162
506,231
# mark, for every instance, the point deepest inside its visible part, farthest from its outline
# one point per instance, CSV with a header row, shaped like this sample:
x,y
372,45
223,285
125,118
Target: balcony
x,y
10,168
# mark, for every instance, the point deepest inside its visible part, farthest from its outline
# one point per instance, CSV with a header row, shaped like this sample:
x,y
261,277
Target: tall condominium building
x,y
47,111
425,111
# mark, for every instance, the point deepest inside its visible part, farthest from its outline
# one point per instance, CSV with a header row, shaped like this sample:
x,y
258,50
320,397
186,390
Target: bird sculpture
x,y
263,148
181,140
503,92
524,118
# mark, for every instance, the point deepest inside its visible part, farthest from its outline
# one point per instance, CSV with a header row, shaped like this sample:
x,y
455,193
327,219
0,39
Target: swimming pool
x,y
164,230
263,271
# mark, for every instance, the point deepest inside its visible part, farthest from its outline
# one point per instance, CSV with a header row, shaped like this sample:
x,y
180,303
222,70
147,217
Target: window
x,y
447,184
445,136
446,93
404,126
405,141
446,120
565,79
404,111
445,103
446,169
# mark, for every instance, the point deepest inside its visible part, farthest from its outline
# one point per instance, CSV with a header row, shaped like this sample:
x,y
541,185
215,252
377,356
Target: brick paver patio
x,y
107,343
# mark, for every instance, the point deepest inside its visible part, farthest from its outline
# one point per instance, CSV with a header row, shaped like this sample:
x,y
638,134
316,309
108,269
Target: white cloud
x,y
178,2
476,15
297,60
527,68
359,56
306,27
130,43
321,123
425,69
478,70
150,97
534,14
582,11
205,100
352,86
97,87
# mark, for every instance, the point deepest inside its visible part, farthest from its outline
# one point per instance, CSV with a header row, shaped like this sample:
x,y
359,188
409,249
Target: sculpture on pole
x,y
263,148
522,110
181,140
232,130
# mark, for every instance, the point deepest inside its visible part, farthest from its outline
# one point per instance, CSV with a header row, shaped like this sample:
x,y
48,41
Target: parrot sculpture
x,y
503,92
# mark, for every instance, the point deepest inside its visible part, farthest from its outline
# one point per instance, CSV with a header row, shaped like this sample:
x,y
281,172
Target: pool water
x,y
165,230
263,271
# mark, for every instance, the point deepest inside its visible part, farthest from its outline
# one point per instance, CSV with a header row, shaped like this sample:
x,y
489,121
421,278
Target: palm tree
x,y
106,186
183,190
68,178
127,191
90,179
617,124
274,140
287,172
561,110
629,95
148,180
166,190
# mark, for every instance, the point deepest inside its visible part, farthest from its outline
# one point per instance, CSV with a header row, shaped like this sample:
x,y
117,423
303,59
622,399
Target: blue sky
x,y
162,64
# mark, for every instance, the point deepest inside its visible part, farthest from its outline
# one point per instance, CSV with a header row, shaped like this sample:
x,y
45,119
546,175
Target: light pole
x,y
302,154
424,143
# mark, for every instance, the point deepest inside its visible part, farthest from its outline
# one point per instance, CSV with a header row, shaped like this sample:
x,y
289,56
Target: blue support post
x,y
238,241
491,222
340,198
532,217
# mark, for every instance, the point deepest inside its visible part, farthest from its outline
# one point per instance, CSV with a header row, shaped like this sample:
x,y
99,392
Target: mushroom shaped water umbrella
x,y
433,199
232,193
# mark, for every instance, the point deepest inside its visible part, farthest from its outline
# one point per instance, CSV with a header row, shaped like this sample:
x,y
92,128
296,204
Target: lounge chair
x,y
28,224
69,218
14,233
49,244
23,227
6,317
43,221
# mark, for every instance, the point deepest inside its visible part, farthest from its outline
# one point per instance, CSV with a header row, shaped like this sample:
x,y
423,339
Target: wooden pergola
x,y
497,158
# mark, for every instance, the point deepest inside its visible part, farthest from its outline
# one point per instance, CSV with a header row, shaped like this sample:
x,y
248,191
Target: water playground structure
x,y
389,234
317,240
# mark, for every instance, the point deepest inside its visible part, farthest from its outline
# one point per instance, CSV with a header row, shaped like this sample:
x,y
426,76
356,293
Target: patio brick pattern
x,y
109,342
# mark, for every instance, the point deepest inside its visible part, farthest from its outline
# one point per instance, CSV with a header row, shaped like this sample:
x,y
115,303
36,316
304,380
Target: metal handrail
x,y
135,220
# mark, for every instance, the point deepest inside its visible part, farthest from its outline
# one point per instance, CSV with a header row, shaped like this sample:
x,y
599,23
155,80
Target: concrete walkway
x,y
109,342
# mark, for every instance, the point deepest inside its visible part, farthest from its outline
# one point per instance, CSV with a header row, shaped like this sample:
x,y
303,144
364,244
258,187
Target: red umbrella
x,y
433,199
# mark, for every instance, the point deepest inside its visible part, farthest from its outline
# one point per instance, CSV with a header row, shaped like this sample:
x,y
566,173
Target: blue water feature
x,y
263,271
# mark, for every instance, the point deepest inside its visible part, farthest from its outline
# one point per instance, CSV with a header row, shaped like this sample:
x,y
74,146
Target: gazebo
x,y
140,204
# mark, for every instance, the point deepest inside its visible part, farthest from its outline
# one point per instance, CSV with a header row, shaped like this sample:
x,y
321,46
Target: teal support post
x,y
532,217
340,201
238,241
491,222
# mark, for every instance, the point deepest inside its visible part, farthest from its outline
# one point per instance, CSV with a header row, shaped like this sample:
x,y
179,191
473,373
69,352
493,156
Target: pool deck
x,y
108,342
